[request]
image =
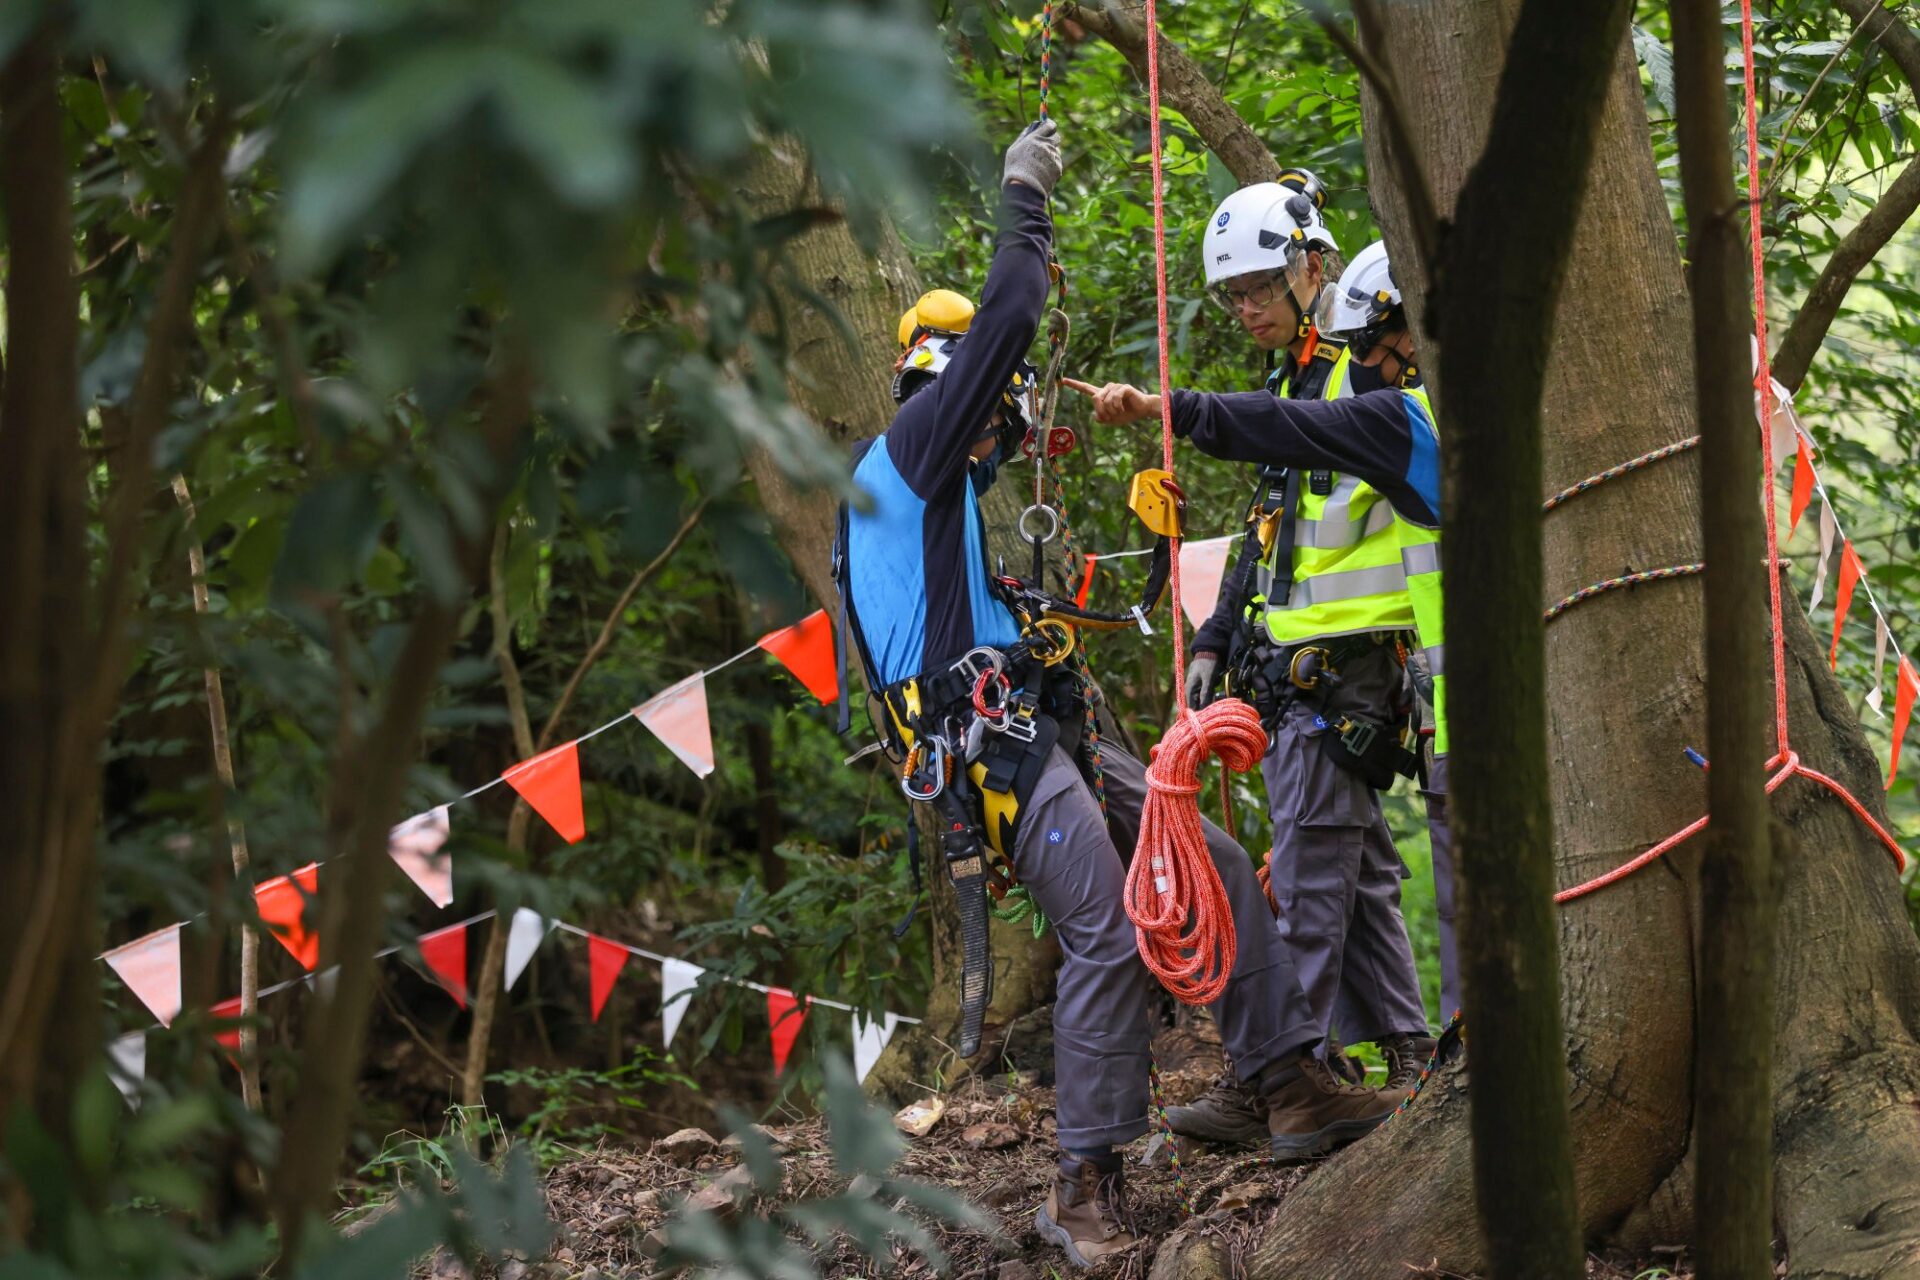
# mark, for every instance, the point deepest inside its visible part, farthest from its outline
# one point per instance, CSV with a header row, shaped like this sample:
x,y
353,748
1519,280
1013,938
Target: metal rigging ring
x,y
1053,527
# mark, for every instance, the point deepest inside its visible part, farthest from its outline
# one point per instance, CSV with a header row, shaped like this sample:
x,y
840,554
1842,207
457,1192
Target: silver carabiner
x,y
967,666
937,758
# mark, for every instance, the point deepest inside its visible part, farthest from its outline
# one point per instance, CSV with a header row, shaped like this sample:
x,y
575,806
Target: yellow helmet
x,y
939,310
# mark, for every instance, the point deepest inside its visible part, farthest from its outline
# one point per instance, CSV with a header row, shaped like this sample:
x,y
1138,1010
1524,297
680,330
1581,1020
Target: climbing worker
x,y
1331,609
1367,312
989,736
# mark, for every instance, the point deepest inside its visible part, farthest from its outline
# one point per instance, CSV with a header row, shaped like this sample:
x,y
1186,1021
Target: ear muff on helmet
x,y
922,362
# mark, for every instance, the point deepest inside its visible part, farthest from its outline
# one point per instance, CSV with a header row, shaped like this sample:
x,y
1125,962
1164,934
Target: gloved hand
x,y
1034,158
1201,669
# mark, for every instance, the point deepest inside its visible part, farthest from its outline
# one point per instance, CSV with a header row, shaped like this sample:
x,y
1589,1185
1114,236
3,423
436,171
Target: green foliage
x,y
573,1102
865,1147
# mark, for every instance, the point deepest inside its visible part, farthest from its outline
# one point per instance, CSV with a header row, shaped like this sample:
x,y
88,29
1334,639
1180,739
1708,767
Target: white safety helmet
x,y
1264,227
1364,301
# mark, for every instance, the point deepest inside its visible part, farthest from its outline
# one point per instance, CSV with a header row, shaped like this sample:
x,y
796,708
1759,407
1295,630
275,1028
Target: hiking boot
x,y
1407,1057
1230,1114
1311,1111
1085,1210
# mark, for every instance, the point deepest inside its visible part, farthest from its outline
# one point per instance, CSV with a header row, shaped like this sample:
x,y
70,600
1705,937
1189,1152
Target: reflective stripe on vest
x,y
1347,570
1420,559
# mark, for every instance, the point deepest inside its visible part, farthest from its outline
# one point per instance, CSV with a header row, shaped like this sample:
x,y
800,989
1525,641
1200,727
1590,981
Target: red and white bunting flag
x,y
1828,530
524,936
444,952
605,960
1802,488
1905,686
678,717
1202,565
1879,663
127,1065
416,845
150,967
226,1028
869,1041
283,903
786,1013
1851,571
550,782
678,979
806,649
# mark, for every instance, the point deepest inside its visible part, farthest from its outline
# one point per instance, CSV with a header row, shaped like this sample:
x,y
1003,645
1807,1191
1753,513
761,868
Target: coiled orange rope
x,y
1181,916
1179,908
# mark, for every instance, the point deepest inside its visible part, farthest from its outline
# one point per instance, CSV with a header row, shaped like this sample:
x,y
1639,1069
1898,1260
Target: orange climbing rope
x,y
1785,763
1181,916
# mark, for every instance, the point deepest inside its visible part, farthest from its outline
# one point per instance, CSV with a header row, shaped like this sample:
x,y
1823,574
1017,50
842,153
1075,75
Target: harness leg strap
x,y
966,857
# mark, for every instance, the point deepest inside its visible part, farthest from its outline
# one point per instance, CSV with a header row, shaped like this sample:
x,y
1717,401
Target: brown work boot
x,y
1085,1211
1311,1111
1407,1057
1230,1114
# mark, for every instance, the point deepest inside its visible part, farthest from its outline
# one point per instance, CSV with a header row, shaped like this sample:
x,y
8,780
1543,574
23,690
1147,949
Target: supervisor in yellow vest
x,y
1333,609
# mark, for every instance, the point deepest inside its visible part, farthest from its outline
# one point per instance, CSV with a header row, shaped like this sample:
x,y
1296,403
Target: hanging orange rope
x,y
1181,915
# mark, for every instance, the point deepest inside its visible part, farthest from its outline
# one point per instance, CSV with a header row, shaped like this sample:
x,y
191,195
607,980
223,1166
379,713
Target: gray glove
x,y
1200,672
1034,158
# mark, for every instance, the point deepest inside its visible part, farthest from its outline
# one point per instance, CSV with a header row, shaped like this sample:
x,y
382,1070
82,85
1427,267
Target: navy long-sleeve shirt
x,y
916,572
1383,437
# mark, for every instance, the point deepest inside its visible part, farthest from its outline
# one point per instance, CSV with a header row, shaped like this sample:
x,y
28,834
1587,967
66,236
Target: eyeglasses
x,y
1256,295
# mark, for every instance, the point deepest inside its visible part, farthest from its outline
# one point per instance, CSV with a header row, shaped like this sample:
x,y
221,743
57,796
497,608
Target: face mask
x,y
983,472
1364,378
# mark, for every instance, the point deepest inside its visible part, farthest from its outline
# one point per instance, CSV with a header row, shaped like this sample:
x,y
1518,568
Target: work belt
x,y
975,737
1274,677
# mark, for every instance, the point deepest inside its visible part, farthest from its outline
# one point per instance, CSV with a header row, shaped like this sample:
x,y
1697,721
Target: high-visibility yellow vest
x,y
1358,566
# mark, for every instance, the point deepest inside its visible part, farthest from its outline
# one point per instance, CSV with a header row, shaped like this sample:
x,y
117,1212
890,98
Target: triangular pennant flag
x,y
226,1027
415,845
785,1013
605,960
523,939
1802,488
1828,529
1850,573
1202,565
806,649
127,1065
283,909
677,982
678,717
1879,662
550,782
869,1041
150,967
325,982
1905,685
444,952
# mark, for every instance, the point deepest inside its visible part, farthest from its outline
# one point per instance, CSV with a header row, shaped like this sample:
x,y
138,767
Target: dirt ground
x,y
993,1145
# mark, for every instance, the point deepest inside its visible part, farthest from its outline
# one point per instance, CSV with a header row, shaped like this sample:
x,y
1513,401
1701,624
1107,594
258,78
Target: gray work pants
x,y
1075,863
1336,873
1441,836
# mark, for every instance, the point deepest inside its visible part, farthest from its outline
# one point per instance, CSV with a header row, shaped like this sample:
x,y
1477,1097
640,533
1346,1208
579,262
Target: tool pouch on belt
x,y
1371,750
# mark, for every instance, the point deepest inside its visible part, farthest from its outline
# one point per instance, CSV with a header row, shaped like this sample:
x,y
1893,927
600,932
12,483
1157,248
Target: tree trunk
x,y
1626,695
49,770
1733,1107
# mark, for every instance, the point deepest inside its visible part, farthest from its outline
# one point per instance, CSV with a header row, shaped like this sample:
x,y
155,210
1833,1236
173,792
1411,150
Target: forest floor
x,y
993,1145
